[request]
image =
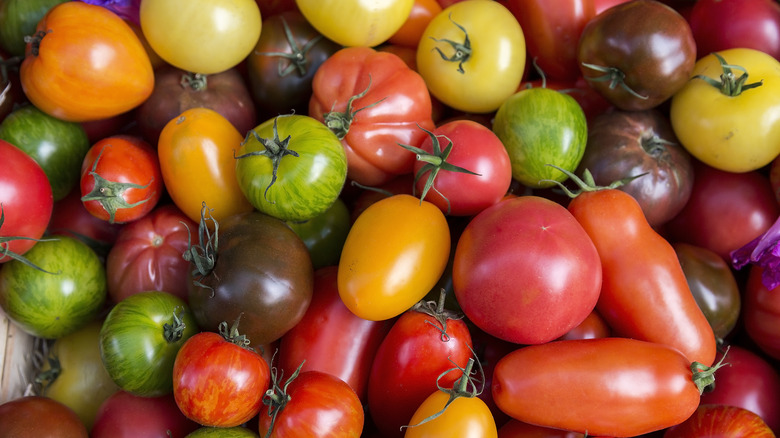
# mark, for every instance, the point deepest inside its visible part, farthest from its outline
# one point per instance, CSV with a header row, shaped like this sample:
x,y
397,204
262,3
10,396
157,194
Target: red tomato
x,y
69,217
527,296
26,202
372,100
217,381
761,313
39,416
602,5
124,415
721,420
517,429
147,254
593,326
121,179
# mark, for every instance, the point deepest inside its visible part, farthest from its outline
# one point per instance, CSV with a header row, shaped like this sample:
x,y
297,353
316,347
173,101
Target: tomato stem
x,y
615,77
587,183
35,40
296,56
203,254
196,81
276,397
652,143
173,332
339,122
462,51
5,252
729,84
437,311
233,336
704,376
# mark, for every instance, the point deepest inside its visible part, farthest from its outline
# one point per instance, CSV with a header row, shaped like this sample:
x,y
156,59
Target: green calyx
x,y
233,336
35,41
704,376
277,396
435,161
729,84
339,122
587,183
196,81
461,51
615,77
203,255
5,252
296,58
436,310
173,332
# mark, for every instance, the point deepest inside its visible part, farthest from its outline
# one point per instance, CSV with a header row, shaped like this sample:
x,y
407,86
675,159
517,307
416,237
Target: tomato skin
x,y
517,429
465,416
761,310
721,420
370,24
591,385
70,218
218,383
123,415
324,235
644,293
36,415
396,105
408,35
89,64
372,282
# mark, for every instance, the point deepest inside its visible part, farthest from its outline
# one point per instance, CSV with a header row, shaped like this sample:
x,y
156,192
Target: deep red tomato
x,y
372,100
26,202
761,312
592,327
311,404
603,5
121,179
124,415
217,380
38,416
147,254
721,420
518,429
69,217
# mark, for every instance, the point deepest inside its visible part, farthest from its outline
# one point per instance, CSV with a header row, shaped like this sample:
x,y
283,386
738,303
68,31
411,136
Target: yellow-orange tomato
x,y
85,63
196,158
394,254
422,12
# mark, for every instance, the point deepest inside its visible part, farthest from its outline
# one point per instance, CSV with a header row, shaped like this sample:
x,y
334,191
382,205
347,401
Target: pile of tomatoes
x,y
418,218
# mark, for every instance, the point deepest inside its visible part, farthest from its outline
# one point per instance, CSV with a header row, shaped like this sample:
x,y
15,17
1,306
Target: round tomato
x,y
124,415
324,235
721,420
139,340
727,115
369,23
472,55
761,309
205,36
121,179
394,253
35,415
291,167
85,63
70,218
408,35
223,432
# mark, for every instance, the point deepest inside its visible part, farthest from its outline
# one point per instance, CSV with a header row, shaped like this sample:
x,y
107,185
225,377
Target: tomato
x,y
737,130
60,299
281,67
541,126
372,100
530,296
227,31
73,373
721,420
26,202
626,144
121,179
466,179
291,167
18,19
254,267
753,24
423,349
217,380
35,415
591,385
139,340
593,326
408,35
85,63
637,54
472,55
518,429
223,432
370,24
124,415
311,404
56,145
394,253
147,255
761,308
196,151
70,218
176,91
644,293
324,235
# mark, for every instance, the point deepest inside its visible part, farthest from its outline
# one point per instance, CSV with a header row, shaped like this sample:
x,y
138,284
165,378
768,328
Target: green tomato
x,y
291,167
74,374
57,146
140,338
222,432
66,293
541,126
18,19
325,234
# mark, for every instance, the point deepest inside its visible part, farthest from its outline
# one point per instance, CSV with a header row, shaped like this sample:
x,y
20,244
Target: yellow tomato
x,y
472,55
352,23
196,158
394,254
464,417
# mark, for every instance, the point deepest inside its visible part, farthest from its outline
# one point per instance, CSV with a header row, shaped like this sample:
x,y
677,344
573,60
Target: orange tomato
x,y
421,14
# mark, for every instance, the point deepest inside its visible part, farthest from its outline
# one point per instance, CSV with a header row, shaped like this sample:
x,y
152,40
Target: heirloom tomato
x,y
18,19
35,415
223,432
472,55
710,420
355,22
124,415
394,253
727,114
529,296
518,429
408,35
324,234
291,167
139,340
70,218
85,63
121,179
761,311
372,100
203,36
196,157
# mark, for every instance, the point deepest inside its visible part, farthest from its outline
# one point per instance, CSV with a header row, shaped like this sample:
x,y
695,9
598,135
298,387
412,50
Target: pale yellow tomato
x,y
353,23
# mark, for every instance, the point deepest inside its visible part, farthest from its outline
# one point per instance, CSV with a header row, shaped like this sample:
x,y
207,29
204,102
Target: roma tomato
x,y
227,31
218,380
530,296
85,63
121,179
372,101
721,420
124,415
196,151
36,415
394,253
472,55
370,24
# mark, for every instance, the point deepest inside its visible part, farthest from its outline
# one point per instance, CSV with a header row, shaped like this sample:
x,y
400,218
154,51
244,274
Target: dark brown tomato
x,y
637,54
624,144
176,90
38,416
